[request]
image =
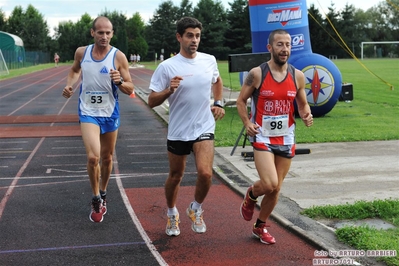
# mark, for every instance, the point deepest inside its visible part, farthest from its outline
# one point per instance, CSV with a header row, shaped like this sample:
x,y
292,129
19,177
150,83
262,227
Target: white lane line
x,y
45,184
16,178
49,170
134,217
113,176
13,142
64,155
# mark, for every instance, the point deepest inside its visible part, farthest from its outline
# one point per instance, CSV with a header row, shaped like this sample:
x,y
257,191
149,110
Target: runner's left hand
x,y
218,112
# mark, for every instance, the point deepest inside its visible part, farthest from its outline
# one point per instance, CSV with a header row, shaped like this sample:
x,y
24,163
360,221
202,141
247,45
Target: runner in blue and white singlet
x,y
103,70
98,95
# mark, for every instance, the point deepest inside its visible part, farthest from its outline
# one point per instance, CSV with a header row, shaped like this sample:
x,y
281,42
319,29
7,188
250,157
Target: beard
x,y
277,60
190,50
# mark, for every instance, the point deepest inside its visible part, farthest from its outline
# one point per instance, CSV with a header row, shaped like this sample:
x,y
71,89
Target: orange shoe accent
x,y
133,95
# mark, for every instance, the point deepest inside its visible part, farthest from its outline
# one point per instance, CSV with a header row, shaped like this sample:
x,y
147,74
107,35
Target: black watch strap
x,y
218,103
120,82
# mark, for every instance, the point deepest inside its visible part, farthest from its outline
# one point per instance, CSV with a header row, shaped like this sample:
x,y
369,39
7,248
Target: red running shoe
x,y
96,214
262,233
247,206
104,207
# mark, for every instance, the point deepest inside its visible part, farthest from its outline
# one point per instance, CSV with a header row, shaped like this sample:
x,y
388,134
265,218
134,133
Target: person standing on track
x,y
187,81
56,59
138,58
104,70
273,86
131,59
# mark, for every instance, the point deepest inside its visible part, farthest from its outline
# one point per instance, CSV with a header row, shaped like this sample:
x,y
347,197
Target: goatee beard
x,y
279,62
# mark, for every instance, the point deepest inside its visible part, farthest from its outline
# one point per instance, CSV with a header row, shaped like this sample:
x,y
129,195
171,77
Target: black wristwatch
x,y
218,103
120,82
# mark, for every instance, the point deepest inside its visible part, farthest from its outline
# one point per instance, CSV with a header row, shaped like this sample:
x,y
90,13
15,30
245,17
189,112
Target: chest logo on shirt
x,y
267,93
104,70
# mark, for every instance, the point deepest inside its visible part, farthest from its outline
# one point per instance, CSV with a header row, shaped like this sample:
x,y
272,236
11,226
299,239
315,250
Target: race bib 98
x,y
273,126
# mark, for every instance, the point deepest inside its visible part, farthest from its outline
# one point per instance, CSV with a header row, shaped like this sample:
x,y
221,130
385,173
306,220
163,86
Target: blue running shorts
x,y
106,124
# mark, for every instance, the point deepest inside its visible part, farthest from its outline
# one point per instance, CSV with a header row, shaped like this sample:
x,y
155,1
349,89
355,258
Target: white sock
x,y
195,205
172,211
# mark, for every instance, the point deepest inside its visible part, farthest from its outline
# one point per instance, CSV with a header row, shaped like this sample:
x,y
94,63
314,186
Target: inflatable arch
x,y
323,78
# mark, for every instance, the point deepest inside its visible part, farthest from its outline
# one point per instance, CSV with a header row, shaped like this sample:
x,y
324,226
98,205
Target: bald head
x,y
101,20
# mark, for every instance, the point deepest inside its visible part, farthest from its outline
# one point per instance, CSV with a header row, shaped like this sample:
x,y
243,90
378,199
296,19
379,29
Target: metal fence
x,y
15,60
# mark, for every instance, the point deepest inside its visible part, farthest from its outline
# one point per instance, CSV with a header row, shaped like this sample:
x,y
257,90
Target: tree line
x,y
226,30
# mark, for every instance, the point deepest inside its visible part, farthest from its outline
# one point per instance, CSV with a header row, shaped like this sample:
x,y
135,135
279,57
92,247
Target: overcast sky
x,y
55,11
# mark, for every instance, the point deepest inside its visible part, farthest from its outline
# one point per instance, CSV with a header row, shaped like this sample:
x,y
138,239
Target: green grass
x,y
387,210
360,73
367,238
26,70
150,65
370,116
364,237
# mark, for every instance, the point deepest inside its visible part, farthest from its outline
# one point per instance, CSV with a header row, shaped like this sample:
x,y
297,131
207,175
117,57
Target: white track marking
x,y
16,178
49,170
134,217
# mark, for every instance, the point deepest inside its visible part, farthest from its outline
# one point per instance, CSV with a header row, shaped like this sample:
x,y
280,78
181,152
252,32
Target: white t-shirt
x,y
190,112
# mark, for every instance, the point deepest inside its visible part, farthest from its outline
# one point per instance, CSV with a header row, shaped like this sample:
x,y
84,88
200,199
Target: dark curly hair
x,y
187,22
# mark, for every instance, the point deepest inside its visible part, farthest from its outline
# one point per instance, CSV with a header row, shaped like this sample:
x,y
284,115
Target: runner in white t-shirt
x,y
187,81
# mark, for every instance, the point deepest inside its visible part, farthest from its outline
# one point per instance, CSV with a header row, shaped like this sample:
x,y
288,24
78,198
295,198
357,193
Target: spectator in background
x,y
131,59
134,59
56,59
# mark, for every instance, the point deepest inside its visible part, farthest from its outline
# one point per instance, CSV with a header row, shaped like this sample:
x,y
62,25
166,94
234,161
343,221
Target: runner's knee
x,y
93,160
269,186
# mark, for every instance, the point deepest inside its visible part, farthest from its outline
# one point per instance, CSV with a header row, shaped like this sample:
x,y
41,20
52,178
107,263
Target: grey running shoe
x,y
172,227
198,224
